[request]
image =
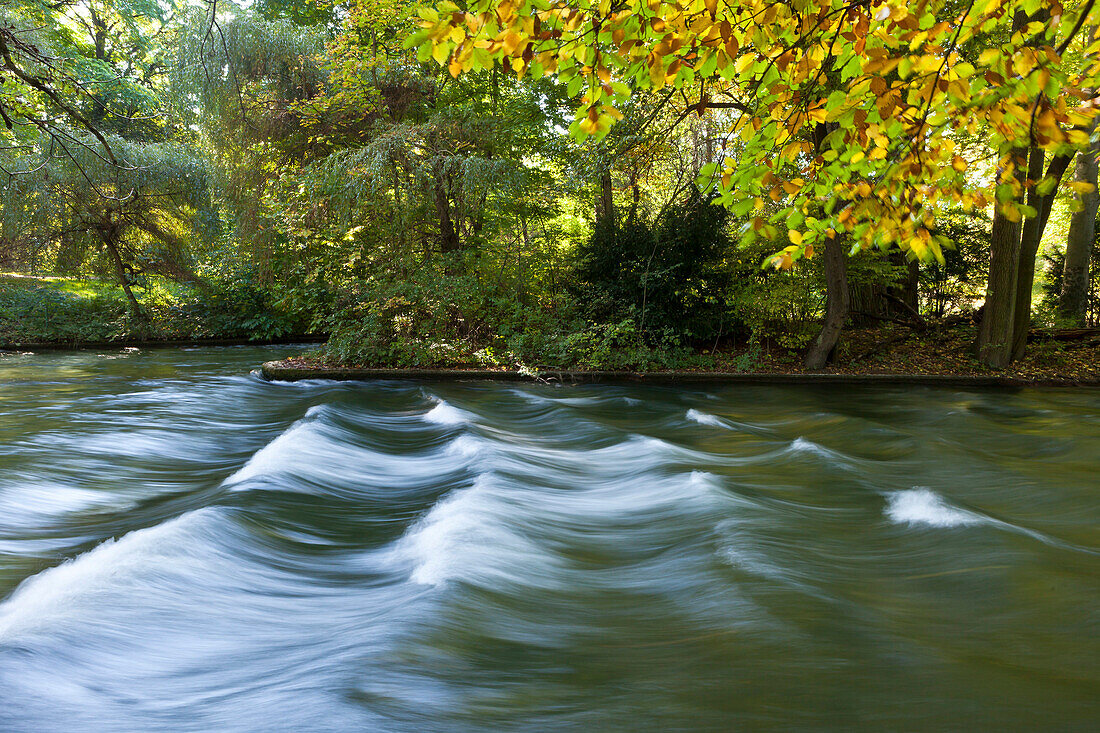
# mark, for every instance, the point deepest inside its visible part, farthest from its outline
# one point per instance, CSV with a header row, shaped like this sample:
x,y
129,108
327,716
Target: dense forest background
x,y
285,167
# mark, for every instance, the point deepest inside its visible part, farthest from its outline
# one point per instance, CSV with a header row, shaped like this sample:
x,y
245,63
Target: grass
x,y
67,310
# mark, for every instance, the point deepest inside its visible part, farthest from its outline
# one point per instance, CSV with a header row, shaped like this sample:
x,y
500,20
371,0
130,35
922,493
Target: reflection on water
x,y
187,547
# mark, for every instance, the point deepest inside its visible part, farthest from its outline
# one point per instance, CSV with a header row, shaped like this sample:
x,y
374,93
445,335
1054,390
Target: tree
x,y
89,164
1073,299
141,212
891,76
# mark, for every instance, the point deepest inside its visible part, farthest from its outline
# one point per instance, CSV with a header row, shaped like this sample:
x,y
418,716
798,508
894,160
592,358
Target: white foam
x,y
433,541
704,418
463,536
273,456
445,414
921,505
54,592
466,446
802,445
45,500
738,552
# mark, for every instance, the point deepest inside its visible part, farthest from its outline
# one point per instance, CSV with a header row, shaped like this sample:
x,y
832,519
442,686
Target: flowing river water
x,y
186,547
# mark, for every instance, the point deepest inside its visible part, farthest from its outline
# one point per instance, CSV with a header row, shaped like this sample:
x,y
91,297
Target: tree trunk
x,y
907,289
836,304
1032,235
605,205
994,344
836,282
1082,233
120,272
865,301
448,235
636,197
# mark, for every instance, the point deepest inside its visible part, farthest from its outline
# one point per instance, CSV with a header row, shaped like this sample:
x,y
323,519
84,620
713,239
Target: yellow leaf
x,y
510,42
817,115
795,236
988,56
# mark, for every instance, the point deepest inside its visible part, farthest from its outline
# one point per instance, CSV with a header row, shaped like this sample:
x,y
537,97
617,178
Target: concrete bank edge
x,y
276,372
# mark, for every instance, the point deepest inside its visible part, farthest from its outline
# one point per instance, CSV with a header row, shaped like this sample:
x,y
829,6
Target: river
x,y
186,547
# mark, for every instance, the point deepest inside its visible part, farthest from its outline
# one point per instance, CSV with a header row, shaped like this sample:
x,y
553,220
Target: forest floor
x,y
943,351
893,350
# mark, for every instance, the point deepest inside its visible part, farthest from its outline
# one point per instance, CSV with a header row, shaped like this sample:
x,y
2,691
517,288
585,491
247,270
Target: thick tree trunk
x,y
836,282
1030,238
907,289
448,235
866,303
1082,233
1025,263
994,344
605,204
836,304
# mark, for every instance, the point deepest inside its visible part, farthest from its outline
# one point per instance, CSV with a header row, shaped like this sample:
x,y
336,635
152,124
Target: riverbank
x,y
48,312
881,356
157,343
282,371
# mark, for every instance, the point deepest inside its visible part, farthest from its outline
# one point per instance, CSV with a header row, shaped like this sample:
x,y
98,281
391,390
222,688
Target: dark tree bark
x,y
994,345
996,335
605,204
1073,299
836,304
110,240
836,283
907,290
448,234
866,303
1032,234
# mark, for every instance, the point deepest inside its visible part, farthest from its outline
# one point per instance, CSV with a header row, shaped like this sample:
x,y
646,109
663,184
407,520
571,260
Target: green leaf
x,y
710,63
1046,185
1004,193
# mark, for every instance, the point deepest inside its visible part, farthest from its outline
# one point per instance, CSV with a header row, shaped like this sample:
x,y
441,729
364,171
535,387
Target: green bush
x,y
672,274
236,310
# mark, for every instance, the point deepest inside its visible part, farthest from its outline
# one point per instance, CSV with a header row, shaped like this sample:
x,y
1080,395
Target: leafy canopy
x,y
848,110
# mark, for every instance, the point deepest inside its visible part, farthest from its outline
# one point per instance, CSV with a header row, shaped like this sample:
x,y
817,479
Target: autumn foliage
x,y
888,87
